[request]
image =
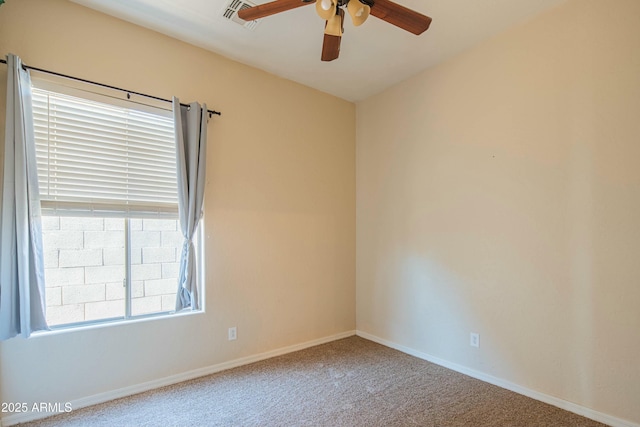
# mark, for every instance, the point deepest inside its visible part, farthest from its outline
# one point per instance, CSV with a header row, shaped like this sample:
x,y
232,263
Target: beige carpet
x,y
351,382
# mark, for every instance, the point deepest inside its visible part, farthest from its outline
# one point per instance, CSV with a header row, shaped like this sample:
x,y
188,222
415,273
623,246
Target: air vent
x,y
230,12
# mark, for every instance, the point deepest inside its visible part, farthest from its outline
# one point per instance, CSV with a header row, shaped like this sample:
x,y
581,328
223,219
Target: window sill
x,y
62,329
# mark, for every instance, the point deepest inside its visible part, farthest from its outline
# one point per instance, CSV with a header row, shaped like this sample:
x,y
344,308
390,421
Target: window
x,y
107,178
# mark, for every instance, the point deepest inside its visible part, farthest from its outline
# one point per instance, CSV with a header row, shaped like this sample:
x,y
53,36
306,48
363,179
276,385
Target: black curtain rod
x,y
129,92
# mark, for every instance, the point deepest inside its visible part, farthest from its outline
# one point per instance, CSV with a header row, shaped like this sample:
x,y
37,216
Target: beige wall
x,y
280,208
499,193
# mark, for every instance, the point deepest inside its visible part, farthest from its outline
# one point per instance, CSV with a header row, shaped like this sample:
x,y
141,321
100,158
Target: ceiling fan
x,y
332,11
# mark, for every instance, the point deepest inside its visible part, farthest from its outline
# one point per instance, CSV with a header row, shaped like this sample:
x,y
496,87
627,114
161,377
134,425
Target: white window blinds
x,y
99,159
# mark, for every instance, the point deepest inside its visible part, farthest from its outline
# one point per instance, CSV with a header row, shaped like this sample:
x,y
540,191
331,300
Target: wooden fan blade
x,y
331,47
400,16
331,43
262,10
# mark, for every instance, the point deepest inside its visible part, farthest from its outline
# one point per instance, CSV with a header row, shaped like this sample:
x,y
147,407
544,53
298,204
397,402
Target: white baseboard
x,y
551,400
173,379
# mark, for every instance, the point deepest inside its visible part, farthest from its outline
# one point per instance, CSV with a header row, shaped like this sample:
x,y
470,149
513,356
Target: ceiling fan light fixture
x,y
334,25
326,9
359,12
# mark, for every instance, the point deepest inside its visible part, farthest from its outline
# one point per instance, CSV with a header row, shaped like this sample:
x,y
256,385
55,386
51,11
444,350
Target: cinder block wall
x,y
84,267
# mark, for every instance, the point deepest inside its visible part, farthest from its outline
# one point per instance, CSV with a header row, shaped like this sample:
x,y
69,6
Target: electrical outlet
x,y
233,334
474,339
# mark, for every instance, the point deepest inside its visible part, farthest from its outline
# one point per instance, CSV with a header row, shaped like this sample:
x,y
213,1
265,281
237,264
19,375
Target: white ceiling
x,y
372,57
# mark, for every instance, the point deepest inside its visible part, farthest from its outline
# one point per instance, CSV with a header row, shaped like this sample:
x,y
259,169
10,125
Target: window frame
x,y
116,98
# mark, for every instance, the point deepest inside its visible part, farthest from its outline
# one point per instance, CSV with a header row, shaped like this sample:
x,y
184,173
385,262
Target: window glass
x,y
84,268
155,259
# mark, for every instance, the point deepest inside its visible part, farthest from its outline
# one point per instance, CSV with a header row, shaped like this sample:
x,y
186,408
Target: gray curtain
x,y
22,301
191,145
